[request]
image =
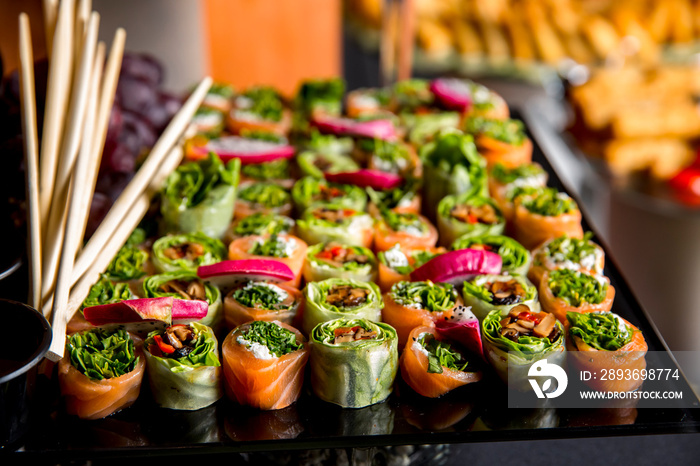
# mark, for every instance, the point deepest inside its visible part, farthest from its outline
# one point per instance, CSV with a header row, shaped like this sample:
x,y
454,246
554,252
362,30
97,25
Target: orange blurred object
x,y
273,42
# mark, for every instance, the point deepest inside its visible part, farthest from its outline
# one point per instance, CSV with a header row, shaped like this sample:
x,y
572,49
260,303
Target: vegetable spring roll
x,y
387,156
186,252
466,216
413,304
396,265
411,96
356,350
320,97
566,290
500,141
432,366
567,253
470,98
405,198
259,224
100,374
261,300
407,229
515,342
287,249
516,259
276,171
310,191
208,122
183,365
104,291
422,128
504,182
200,196
186,285
315,164
602,340
545,214
332,222
130,263
264,364
338,297
259,108
263,197
453,166
486,293
367,102
219,97
335,260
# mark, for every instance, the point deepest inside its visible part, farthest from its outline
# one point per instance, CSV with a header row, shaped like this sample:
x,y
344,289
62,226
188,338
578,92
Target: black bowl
x,y
26,341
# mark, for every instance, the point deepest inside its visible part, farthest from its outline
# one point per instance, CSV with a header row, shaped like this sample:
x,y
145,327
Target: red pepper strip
x,y
164,347
529,316
345,330
471,218
325,255
336,251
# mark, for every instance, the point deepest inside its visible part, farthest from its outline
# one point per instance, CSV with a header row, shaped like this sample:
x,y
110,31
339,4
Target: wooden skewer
x,y
69,151
57,92
82,17
31,158
50,8
138,184
75,216
81,289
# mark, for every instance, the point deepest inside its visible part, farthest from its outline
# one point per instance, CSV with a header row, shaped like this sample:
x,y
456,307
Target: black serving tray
x,y
474,413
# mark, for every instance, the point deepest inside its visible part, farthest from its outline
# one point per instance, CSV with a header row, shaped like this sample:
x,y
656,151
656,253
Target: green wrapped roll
x,y
310,191
200,196
263,197
486,293
186,252
131,260
183,366
353,361
278,170
316,142
387,156
333,222
107,292
315,164
515,258
405,197
186,285
468,215
423,128
339,297
335,260
512,352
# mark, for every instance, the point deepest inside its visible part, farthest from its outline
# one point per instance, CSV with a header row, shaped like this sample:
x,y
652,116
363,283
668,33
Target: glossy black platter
x,y
474,413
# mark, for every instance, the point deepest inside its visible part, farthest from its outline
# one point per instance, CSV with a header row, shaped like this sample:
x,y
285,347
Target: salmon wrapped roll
x,y
358,351
515,258
504,182
287,249
432,366
338,297
485,293
517,341
332,222
600,341
567,253
468,215
260,300
566,290
259,108
101,373
335,260
395,264
500,141
184,370
408,230
545,214
263,197
264,364
413,304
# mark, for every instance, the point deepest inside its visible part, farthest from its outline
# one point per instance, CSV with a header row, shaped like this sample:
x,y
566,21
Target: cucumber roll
x,y
485,293
186,285
356,350
335,260
200,196
183,366
186,252
467,215
515,342
339,297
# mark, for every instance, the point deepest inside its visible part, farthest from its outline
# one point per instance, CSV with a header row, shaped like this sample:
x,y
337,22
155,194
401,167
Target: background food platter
x,y
474,413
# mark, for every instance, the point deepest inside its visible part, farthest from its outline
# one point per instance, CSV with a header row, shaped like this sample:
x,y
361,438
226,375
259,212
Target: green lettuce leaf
x,y
102,354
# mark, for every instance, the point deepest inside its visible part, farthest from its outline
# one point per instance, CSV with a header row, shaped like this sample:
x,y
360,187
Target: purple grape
x,y
136,95
143,67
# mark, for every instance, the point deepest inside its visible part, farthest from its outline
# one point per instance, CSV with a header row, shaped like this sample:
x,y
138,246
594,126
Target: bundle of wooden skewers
x,y
61,171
